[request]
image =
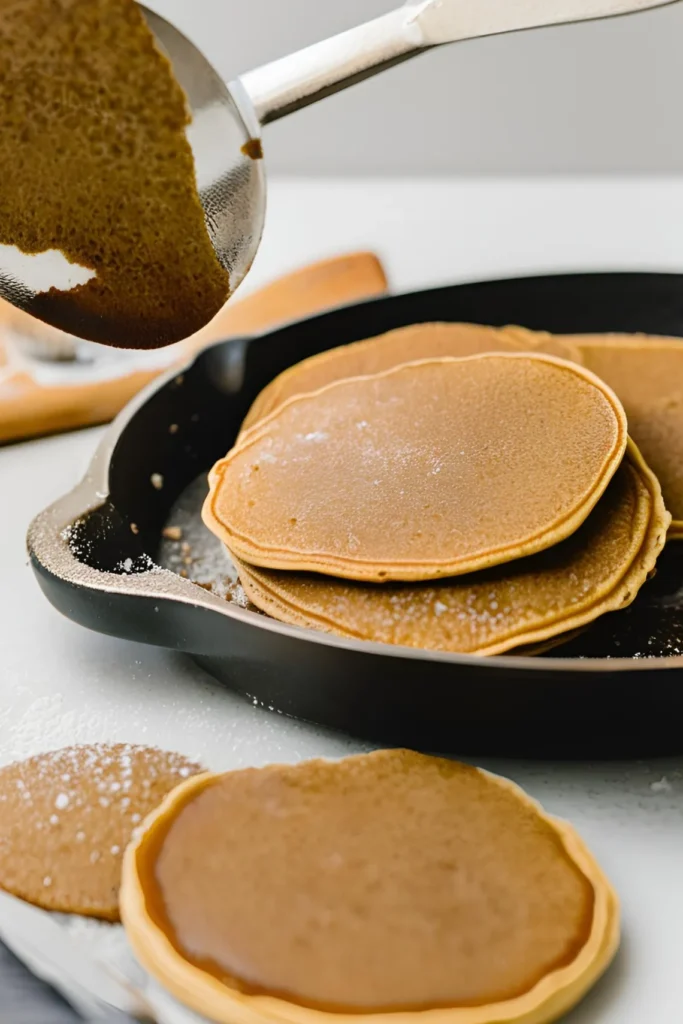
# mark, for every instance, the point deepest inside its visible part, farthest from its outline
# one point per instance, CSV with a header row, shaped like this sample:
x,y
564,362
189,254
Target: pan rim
x,y
51,555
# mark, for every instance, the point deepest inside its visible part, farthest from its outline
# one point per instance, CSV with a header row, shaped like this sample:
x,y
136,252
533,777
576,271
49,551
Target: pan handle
x,y
50,538
307,290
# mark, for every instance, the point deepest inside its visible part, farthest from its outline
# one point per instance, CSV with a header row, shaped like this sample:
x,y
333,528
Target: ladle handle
x,y
311,74
293,82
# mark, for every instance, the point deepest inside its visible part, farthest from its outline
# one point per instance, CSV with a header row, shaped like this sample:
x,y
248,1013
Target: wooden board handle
x,y
304,292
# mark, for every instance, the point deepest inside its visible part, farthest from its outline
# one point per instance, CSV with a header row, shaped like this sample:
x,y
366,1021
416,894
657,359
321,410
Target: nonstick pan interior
x,y
616,689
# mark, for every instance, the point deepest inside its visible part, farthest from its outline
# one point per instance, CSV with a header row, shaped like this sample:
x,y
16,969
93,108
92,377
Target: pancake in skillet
x,y
597,570
428,470
647,375
646,372
373,355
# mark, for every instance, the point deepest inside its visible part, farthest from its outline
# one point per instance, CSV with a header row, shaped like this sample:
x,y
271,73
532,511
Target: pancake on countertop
x,y
67,816
597,570
428,470
380,883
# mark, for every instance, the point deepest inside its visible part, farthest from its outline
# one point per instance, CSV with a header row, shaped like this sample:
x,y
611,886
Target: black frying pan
x,y
617,690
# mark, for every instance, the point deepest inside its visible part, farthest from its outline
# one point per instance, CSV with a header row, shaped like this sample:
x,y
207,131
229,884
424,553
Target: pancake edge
x,y
549,999
253,553
266,402
540,639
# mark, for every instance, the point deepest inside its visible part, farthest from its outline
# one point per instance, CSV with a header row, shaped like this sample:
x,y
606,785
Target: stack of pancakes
x,y
455,487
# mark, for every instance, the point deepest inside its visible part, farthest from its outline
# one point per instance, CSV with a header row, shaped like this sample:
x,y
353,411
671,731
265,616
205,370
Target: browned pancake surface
x,y
647,374
381,882
598,569
374,355
67,816
540,341
431,469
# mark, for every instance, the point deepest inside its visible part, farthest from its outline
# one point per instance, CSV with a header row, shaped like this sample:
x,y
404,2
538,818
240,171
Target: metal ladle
x,y
227,119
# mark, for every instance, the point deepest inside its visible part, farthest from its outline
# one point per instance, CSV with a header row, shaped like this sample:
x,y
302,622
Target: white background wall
x,y
597,98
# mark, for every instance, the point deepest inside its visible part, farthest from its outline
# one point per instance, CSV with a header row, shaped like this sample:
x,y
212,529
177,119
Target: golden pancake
x,y
431,469
532,650
67,816
647,374
389,882
660,433
599,569
373,355
96,164
540,341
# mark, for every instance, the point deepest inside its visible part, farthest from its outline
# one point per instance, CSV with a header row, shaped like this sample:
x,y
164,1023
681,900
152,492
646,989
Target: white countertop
x,y
62,684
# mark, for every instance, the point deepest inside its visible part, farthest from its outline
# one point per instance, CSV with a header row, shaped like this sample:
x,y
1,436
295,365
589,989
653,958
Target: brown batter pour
x,y
382,882
95,163
67,816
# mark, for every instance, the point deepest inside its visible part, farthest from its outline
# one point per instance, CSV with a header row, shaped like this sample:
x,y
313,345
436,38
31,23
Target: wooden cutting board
x,y
51,383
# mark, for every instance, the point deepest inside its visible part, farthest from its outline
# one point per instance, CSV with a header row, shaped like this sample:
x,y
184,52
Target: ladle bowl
x,y
227,120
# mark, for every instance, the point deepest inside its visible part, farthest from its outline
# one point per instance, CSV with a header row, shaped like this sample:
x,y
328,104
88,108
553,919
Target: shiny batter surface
x,y
383,882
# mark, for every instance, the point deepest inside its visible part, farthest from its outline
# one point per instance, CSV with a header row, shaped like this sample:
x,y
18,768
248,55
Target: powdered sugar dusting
x,y
63,841
188,548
